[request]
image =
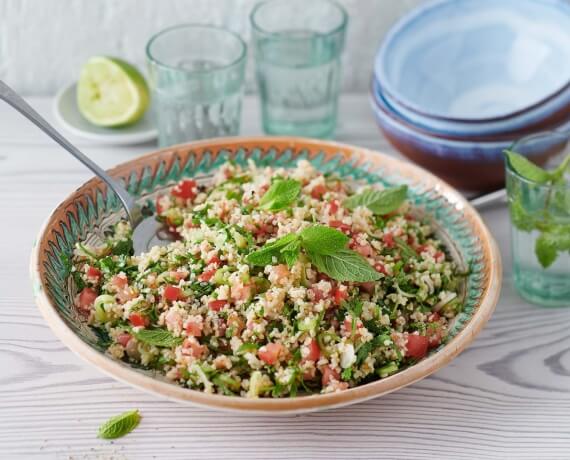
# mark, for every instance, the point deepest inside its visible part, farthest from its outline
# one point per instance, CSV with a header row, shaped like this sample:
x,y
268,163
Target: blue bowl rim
x,y
377,92
405,20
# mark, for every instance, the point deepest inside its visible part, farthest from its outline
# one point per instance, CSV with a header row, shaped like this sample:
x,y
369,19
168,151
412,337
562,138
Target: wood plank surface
x,y
506,397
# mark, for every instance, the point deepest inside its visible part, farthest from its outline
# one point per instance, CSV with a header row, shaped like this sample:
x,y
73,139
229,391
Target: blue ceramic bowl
x,y
548,116
490,65
469,164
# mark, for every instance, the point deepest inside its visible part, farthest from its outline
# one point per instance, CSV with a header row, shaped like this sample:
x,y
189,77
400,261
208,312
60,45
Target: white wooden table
x,y
507,396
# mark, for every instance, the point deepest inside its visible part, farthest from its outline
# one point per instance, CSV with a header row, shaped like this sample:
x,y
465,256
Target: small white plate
x,y
67,114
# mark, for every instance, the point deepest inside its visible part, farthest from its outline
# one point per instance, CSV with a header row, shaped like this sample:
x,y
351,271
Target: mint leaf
x,y
526,168
119,425
558,173
264,256
281,194
520,218
344,265
379,201
290,253
550,243
157,337
322,239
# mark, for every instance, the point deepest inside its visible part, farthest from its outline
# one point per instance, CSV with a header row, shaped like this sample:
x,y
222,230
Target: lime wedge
x,y
111,92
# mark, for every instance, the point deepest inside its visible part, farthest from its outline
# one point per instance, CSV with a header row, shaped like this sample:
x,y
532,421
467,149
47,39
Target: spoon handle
x,y
490,198
11,97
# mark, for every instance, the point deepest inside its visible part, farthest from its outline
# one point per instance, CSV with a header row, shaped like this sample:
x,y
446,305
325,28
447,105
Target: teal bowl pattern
x,y
90,210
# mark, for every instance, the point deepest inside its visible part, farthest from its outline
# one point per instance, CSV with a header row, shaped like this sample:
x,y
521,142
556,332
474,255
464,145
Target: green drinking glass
x,y
298,45
196,74
539,206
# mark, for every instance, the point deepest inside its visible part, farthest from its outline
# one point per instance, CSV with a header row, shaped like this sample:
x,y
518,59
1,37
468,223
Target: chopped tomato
x,y
318,191
417,346
86,298
185,189
93,272
270,353
348,324
439,256
207,274
388,240
177,275
422,248
317,294
380,268
340,294
339,225
314,351
433,317
123,338
119,281
193,347
217,305
137,320
172,293
240,291
329,374
159,208
194,328
333,206
365,250
215,260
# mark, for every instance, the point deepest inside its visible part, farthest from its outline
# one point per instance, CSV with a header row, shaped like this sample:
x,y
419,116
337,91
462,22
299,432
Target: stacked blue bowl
x,y
458,81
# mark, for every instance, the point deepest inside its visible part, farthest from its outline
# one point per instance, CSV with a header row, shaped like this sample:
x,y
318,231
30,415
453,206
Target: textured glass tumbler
x,y
540,227
196,74
298,44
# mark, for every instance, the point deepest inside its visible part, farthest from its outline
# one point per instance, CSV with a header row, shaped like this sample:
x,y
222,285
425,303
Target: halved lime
x,y
111,92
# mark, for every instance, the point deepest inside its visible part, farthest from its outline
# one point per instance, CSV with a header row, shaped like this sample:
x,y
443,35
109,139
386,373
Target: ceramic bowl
x,y
468,163
90,209
501,65
499,128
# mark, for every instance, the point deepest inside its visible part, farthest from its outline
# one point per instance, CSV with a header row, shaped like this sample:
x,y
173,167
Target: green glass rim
x,y
241,56
335,30
513,148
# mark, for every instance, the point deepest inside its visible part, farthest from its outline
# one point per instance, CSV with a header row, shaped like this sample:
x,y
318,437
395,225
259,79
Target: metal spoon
x,y
483,201
146,230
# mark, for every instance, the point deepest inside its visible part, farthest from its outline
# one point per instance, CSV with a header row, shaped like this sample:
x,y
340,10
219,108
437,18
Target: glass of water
x,y
298,44
540,225
196,73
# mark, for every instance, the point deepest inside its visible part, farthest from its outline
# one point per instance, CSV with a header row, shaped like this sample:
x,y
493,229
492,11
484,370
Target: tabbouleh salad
x,y
281,282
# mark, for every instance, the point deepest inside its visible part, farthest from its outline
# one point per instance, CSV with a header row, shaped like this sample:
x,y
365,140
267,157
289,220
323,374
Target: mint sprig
x,y
380,202
554,237
326,249
119,425
281,194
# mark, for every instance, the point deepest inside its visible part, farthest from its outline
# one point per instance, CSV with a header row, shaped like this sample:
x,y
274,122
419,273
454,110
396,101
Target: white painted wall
x,y
44,42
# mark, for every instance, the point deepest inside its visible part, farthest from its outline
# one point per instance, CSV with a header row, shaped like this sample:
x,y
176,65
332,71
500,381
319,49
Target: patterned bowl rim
x,y
490,288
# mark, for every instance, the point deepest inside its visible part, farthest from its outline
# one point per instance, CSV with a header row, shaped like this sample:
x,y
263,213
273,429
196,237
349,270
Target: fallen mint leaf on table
x,y
120,425
379,201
